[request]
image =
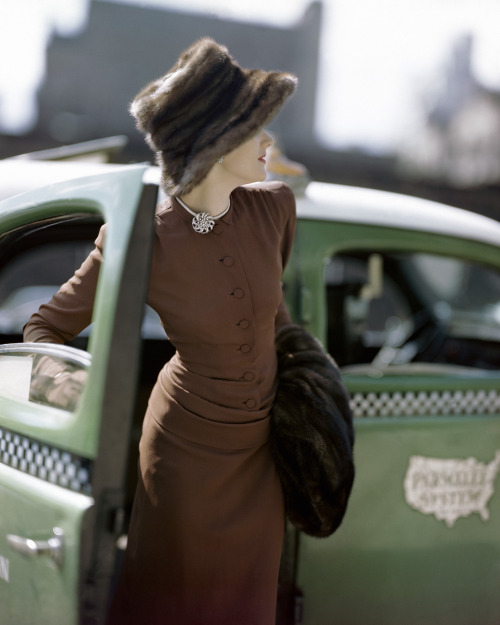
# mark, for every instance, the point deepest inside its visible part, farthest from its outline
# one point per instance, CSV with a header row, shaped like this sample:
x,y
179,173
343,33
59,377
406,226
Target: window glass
x,y
29,278
32,277
412,307
464,286
52,375
35,260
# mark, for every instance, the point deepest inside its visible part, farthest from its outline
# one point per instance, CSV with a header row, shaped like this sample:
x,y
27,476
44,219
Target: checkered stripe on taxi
x,y
45,462
425,403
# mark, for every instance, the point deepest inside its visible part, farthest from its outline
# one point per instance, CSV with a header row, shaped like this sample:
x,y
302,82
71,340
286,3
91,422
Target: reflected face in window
x,y
65,390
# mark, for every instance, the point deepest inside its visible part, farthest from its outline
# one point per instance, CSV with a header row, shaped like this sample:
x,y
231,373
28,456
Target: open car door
x,y
63,448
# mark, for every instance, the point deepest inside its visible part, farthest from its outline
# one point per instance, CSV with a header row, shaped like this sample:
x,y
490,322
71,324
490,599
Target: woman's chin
x,y
262,175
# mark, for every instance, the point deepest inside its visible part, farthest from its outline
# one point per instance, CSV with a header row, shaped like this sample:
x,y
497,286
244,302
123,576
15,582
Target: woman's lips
x,y
262,159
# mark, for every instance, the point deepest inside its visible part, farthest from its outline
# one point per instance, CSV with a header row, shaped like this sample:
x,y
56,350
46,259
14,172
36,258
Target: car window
x,y
35,260
32,277
29,277
464,286
412,307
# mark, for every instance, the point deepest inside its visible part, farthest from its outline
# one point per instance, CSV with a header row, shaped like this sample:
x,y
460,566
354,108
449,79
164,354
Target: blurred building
x,y
452,156
92,78
458,141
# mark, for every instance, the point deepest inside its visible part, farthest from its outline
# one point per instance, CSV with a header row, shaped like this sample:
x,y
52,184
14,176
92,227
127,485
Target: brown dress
x,y
207,523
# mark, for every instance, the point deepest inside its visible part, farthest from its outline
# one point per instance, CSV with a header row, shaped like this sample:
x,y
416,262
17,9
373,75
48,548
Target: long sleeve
x,y
70,309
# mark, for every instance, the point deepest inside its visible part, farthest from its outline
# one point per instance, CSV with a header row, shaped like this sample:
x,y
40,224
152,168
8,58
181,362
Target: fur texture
x,y
312,434
203,108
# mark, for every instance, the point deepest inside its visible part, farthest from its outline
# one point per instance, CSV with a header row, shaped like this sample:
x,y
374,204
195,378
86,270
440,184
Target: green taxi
x,y
403,292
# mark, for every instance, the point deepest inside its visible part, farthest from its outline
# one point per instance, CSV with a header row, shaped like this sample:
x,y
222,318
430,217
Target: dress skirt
x,y
207,524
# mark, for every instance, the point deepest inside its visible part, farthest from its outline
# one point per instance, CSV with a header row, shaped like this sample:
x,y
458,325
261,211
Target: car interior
x,y
396,308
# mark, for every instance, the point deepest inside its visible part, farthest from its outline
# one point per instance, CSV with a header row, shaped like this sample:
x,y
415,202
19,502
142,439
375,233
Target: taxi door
x,y
65,413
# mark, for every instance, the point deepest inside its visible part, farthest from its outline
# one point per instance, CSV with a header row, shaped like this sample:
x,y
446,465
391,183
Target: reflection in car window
x,y
50,375
56,383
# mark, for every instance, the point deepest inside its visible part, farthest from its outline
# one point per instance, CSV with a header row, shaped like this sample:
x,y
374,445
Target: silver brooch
x,y
203,223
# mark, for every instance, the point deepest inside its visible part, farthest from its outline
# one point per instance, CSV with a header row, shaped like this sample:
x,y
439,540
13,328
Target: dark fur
x,y
312,433
204,108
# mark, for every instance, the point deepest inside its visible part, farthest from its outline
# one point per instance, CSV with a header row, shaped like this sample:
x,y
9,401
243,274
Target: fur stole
x,y
312,433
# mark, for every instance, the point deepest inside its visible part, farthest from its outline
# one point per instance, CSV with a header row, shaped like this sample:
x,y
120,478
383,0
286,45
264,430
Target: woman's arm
x,y
70,309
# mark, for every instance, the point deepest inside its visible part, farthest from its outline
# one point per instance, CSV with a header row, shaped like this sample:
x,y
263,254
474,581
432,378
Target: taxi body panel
x,y
419,542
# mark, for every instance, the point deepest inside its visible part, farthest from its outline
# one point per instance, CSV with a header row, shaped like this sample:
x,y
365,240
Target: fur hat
x,y
204,108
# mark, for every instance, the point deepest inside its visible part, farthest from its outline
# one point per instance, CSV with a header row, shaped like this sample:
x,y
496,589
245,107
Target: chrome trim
x,y
71,354
53,547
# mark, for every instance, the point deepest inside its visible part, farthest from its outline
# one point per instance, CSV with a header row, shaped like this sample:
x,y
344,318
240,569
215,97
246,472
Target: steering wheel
x,y
416,338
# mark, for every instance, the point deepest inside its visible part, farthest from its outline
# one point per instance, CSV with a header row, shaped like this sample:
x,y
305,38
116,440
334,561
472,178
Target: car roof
x,y
320,201
334,202
18,175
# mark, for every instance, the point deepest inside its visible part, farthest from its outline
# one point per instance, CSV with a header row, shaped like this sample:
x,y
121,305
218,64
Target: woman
x,y
208,517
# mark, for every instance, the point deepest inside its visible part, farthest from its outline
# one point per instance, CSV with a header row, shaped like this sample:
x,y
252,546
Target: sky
x,y
391,49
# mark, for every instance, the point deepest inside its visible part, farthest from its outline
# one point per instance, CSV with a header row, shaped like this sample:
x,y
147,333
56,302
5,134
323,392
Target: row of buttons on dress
x,y
243,324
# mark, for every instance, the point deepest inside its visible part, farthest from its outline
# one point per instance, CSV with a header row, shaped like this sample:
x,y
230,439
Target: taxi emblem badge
x,y
450,488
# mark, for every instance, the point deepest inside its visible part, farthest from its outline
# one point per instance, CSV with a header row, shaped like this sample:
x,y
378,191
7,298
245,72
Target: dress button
x,y
227,261
245,348
238,293
250,403
243,324
218,228
248,376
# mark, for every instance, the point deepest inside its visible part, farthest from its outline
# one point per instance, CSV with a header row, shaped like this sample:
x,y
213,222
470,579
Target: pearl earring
x,y
220,160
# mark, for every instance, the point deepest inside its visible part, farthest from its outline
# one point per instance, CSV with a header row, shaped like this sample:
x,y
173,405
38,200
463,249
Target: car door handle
x,y
53,547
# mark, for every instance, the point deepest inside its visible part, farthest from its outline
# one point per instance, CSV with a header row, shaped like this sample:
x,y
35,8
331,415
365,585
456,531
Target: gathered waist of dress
x,y
201,414
232,400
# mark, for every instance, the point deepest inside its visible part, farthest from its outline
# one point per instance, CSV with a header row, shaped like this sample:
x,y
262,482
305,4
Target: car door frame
x,y
100,430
